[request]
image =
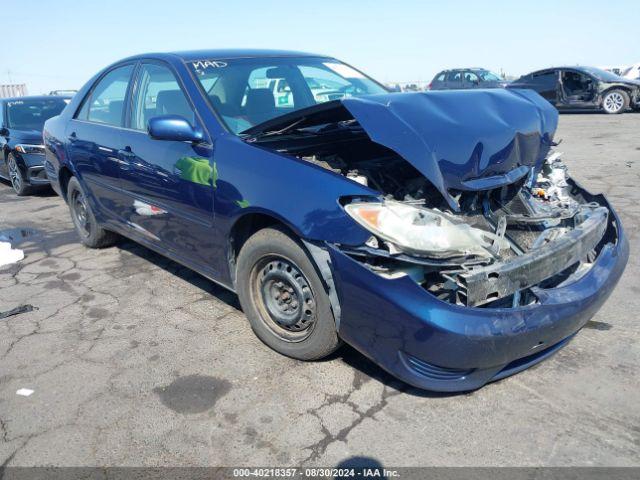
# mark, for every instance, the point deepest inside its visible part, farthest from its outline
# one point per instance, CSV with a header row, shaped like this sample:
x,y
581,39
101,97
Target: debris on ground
x,y
17,311
24,392
9,255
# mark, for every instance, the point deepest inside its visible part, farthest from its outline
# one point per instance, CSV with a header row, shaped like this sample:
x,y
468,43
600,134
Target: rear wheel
x,y
615,101
283,297
90,233
18,182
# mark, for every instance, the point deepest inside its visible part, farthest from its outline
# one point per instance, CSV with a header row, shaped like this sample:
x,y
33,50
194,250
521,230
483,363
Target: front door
x,y
578,89
169,183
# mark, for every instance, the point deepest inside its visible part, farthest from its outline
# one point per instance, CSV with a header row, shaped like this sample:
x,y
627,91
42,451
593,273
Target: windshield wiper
x,y
280,131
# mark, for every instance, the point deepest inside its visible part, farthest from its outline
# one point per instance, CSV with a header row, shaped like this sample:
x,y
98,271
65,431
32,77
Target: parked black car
x,y
21,147
583,88
465,78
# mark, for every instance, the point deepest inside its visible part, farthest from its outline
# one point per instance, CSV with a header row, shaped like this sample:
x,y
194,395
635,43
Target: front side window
x,y
158,93
106,102
31,114
248,91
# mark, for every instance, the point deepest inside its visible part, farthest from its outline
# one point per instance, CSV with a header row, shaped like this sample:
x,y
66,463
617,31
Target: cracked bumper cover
x,y
439,346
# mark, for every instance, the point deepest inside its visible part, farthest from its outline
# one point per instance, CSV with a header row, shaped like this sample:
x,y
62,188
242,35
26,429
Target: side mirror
x,y
174,127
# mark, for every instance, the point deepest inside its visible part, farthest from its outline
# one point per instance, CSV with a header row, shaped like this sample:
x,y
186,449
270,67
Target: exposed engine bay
x,y
541,231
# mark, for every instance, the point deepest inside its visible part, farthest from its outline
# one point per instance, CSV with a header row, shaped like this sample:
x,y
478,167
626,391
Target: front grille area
x,y
433,371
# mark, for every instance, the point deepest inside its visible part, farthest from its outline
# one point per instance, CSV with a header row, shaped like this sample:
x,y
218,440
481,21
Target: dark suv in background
x,y
21,123
583,88
465,78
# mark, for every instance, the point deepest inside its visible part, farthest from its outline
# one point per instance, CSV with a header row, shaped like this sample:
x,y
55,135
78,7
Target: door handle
x,y
126,153
125,157
72,137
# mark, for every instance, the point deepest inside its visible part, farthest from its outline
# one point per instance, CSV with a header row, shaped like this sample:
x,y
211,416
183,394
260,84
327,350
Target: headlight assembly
x,y
30,149
421,231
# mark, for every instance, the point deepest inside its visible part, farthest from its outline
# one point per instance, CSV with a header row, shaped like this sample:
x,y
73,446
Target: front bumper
x,y
34,169
439,346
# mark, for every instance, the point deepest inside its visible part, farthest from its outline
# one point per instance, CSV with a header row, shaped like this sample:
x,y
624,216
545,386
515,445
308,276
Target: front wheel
x,y
90,233
284,298
18,182
615,101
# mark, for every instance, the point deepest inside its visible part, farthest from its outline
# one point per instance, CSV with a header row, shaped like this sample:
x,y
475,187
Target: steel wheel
x,y
80,213
15,175
284,298
614,102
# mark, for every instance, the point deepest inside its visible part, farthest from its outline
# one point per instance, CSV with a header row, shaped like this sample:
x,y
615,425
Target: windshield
x,y
602,74
31,114
488,76
249,91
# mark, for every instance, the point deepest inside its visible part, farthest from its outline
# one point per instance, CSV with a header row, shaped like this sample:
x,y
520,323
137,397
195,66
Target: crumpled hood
x,y
461,140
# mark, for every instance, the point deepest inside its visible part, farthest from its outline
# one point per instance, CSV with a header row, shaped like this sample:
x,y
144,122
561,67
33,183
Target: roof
x,y
34,97
477,69
192,55
566,67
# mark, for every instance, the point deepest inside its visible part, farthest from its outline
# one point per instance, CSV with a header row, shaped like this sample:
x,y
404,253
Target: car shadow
x,y
180,271
364,368
593,112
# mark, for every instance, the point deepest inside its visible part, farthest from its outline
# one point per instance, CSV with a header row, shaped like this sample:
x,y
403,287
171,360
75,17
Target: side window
x,y
471,77
454,76
440,77
158,93
106,102
545,79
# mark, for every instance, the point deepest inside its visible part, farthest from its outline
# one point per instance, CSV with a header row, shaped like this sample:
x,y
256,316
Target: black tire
x,y
283,297
17,178
84,221
615,101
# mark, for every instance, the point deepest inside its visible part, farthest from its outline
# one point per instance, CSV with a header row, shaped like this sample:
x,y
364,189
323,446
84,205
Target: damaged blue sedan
x,y
437,233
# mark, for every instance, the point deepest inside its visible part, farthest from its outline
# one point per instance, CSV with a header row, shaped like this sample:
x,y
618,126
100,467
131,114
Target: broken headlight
x,y
421,231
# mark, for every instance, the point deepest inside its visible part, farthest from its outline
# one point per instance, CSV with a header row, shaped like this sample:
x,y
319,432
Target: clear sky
x,y
59,44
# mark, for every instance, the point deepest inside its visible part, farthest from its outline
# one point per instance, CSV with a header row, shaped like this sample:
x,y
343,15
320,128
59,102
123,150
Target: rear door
x,y
470,80
169,183
454,80
546,84
94,137
4,172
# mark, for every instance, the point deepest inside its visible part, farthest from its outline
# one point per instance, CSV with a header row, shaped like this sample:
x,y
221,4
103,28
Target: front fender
x,y
303,196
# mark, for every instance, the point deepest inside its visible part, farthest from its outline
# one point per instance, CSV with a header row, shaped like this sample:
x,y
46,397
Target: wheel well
x,y
64,175
242,230
624,89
